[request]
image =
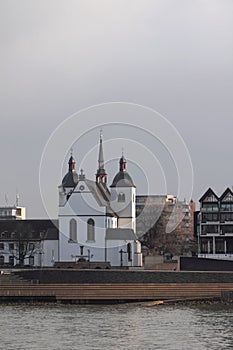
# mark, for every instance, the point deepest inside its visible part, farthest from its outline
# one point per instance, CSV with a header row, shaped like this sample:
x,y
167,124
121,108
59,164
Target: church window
x,y
90,230
73,230
121,197
129,252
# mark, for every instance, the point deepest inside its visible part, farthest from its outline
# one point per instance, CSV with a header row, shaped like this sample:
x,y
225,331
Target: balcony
x,y
209,222
223,256
210,210
225,222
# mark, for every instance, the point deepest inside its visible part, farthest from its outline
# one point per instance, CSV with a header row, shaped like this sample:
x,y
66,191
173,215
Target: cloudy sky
x,y
58,57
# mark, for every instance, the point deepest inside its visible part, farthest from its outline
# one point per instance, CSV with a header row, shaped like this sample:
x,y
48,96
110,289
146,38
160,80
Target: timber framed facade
x,y
215,225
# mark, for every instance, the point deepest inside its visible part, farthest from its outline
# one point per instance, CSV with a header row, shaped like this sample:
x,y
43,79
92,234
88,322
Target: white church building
x,y
97,223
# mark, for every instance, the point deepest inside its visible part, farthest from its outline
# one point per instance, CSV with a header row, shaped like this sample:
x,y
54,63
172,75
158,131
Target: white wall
x,y
68,248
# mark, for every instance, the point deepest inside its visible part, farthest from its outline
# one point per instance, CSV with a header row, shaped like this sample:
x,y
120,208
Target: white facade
x,y
28,242
43,254
96,224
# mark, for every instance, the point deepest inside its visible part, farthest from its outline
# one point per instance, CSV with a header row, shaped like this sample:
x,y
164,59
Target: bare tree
x,y
159,241
25,244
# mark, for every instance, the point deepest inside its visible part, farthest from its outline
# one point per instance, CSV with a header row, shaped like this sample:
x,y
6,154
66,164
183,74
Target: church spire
x,y
101,176
101,153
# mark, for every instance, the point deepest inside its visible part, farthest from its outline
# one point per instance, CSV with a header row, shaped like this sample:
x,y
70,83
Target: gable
x,y
209,196
227,196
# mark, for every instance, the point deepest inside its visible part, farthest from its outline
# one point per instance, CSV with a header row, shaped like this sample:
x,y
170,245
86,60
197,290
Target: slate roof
x,y
30,229
120,234
99,192
122,179
70,179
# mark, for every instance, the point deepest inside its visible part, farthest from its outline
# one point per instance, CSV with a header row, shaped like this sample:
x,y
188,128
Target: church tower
x,y
69,182
123,197
101,175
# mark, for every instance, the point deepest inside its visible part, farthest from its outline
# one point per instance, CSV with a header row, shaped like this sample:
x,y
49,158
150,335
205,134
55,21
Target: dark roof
x,y
208,193
100,193
229,192
30,229
121,234
122,179
70,179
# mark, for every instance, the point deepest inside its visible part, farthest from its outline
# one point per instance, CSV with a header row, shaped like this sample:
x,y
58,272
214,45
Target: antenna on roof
x,y
6,199
17,200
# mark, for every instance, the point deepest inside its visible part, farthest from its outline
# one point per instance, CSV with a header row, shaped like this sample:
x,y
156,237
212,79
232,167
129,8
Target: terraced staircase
x,y
93,286
112,292
12,279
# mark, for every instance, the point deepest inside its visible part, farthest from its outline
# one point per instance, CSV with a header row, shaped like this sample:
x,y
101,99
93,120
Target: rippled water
x,y
128,326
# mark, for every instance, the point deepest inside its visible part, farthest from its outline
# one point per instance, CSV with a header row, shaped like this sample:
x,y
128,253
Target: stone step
x,y
11,278
117,291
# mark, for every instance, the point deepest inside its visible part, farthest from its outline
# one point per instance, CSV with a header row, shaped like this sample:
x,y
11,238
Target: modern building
x,y
165,224
12,213
96,222
215,225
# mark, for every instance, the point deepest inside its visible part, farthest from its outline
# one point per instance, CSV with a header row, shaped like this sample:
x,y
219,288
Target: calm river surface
x,y
128,326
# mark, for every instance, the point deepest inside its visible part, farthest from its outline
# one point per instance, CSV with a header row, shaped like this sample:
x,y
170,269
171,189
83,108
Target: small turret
x,y
122,163
71,178
122,178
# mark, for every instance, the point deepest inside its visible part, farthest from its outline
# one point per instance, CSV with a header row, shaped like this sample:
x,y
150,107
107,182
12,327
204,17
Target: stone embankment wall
x,y
90,286
72,276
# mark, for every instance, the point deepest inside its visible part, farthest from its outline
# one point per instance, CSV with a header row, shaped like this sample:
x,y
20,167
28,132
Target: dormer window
x,y
121,197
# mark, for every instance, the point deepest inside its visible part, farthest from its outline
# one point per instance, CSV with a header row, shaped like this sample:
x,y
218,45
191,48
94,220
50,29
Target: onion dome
x,y
122,178
71,178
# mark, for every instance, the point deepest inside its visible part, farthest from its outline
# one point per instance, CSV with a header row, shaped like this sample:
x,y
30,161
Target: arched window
x,y
129,252
73,230
2,260
90,230
121,197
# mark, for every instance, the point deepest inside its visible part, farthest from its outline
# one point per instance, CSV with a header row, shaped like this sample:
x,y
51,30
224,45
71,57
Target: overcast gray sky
x,y
57,57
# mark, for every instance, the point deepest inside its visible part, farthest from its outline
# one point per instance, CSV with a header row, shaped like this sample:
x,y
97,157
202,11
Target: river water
x,y
125,326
